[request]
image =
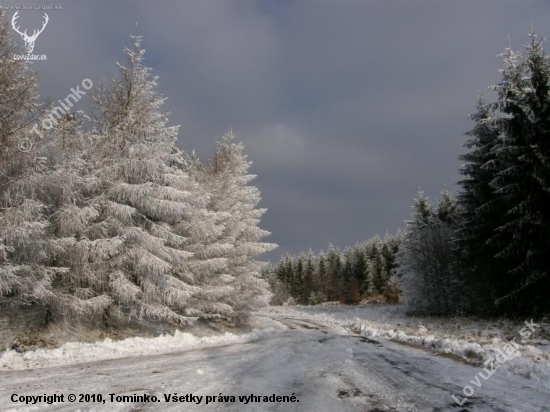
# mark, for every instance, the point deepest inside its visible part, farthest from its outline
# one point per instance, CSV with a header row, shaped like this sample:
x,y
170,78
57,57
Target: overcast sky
x,y
345,107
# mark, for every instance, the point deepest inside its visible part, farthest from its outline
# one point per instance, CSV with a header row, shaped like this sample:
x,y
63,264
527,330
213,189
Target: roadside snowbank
x,y
76,352
474,340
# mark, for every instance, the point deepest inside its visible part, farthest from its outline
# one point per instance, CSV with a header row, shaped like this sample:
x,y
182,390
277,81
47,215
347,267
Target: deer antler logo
x,y
29,40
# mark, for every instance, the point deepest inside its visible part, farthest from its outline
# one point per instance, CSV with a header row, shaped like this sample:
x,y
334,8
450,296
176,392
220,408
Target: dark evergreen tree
x,y
309,271
360,271
334,267
322,275
481,212
345,279
389,251
523,181
298,278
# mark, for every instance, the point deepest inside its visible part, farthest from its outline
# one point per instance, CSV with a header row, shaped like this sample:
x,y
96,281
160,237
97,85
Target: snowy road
x,y
326,370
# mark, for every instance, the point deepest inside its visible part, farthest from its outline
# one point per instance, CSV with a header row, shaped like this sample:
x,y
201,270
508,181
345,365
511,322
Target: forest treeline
x,y
106,220
487,251
348,276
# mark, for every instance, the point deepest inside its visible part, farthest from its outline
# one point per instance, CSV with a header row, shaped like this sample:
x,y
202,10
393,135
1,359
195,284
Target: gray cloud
x,y
346,107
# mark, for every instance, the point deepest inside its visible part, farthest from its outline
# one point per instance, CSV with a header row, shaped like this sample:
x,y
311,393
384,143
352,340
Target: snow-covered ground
x,y
474,340
78,352
327,369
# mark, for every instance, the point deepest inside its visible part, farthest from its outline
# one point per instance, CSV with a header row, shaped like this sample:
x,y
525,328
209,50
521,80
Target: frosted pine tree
x,y
232,194
203,230
27,252
128,248
69,183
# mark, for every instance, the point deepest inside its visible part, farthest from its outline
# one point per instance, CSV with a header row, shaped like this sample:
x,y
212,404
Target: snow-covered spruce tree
x,y
67,188
345,277
231,193
334,266
203,230
426,258
124,248
523,181
27,251
284,269
377,267
390,249
350,284
361,270
297,283
309,270
322,278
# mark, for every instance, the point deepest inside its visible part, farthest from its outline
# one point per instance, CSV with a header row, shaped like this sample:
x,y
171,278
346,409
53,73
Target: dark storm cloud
x,y
345,107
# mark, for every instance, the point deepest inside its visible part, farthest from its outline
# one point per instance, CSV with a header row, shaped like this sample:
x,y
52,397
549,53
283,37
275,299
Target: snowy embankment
x,y
474,340
78,352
